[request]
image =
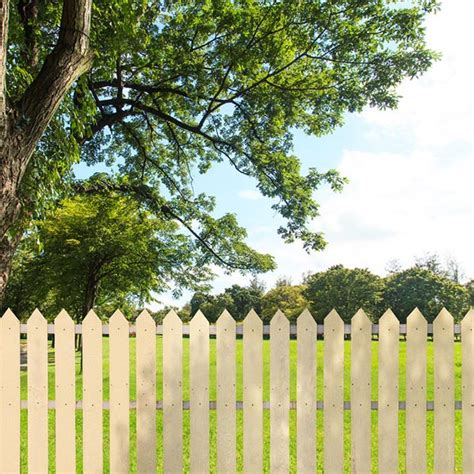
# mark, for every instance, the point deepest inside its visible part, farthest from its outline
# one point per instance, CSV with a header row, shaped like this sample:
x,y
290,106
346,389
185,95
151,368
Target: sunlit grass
x,y
266,389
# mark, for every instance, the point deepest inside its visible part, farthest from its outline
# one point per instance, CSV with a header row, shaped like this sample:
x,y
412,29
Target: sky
x,y
410,172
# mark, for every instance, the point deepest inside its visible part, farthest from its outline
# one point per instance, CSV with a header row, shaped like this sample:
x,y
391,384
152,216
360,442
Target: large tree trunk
x,y
23,122
7,250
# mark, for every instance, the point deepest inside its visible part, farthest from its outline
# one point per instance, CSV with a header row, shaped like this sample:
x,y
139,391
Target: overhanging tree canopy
x,y
173,87
106,250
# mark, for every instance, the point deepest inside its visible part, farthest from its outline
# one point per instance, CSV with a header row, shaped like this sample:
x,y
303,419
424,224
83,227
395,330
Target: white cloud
x,y
399,205
251,194
437,109
402,205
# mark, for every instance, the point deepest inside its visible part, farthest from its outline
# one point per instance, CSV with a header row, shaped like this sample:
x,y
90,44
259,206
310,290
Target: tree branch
x,y
4,11
69,59
145,194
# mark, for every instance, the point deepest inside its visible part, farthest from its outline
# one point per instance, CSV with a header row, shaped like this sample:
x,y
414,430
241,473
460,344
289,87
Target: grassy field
x,y
266,343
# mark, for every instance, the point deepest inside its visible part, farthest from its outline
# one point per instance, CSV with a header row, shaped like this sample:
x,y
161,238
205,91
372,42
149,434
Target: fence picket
x,y
37,347
146,393
199,393
226,369
333,393
417,327
361,363
9,393
388,392
253,393
119,366
172,394
306,393
443,330
279,393
65,393
467,335
92,394
92,404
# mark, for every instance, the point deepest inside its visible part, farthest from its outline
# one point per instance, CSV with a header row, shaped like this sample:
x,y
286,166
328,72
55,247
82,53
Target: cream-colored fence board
x,y
279,393
389,328
226,397
416,393
65,395
119,366
172,394
333,393
146,393
92,394
37,348
9,393
199,393
306,393
361,364
253,393
443,330
467,335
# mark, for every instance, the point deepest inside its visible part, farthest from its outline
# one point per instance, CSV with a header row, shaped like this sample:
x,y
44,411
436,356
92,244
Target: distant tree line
x,y
426,285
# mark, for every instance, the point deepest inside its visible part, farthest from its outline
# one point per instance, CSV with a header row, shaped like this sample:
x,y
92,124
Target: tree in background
x,y
238,300
470,289
427,285
346,290
108,252
284,297
211,306
165,89
424,288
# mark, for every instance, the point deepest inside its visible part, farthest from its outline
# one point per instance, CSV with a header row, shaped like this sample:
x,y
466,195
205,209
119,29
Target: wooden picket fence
x,y
172,330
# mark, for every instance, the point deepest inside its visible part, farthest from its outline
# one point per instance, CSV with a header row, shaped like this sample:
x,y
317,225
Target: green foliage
x,y
178,86
470,289
284,297
346,290
429,291
108,252
238,300
426,286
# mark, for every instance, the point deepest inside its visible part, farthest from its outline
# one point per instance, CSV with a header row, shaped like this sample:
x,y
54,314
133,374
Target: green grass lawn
x,y
266,345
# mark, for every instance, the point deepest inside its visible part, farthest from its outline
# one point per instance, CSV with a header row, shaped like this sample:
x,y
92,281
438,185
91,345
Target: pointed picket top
x,y
172,317
225,320
417,321
360,320
199,319
145,318
279,320
118,319
63,319
468,320
36,319
333,319
388,316
252,322
9,315
91,319
305,317
252,317
443,321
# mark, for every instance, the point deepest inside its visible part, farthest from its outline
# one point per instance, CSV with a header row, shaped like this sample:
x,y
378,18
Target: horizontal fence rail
x,y
243,353
239,405
239,330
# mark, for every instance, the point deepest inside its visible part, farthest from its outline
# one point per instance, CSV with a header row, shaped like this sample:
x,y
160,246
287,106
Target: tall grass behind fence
x,y
149,440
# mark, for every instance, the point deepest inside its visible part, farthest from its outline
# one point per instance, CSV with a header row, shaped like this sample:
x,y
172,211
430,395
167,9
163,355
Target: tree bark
x,y
23,122
4,13
7,250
